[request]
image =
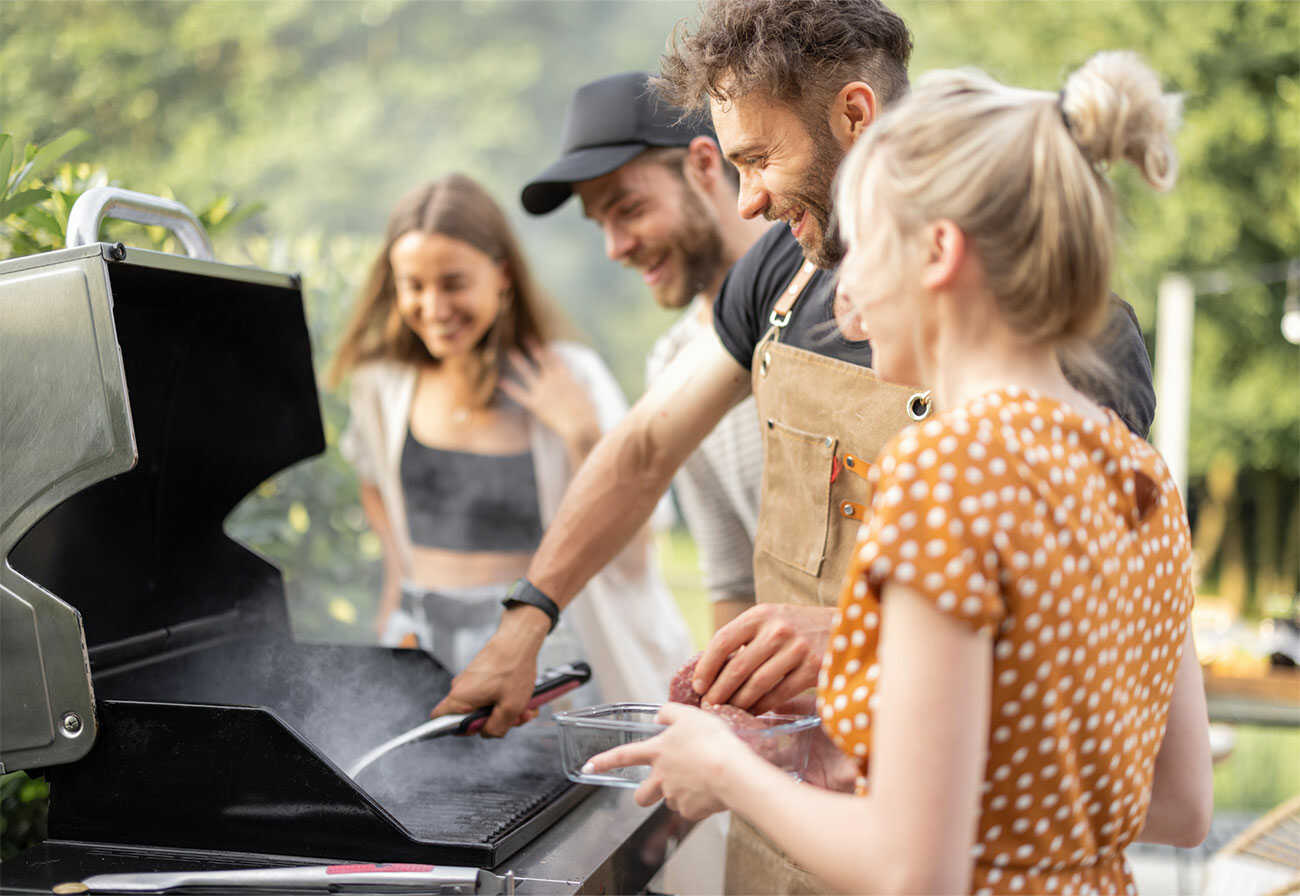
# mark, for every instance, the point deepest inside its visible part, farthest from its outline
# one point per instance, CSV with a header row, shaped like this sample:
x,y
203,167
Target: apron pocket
x,y
797,495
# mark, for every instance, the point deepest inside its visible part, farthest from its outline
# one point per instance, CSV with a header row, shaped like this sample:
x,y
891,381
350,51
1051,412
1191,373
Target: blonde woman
x,y
1011,668
468,420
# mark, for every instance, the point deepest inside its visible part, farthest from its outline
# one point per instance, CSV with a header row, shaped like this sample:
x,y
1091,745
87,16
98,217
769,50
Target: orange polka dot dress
x,y
1068,541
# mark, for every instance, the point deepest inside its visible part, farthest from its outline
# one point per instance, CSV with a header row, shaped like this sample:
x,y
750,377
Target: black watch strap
x,y
525,592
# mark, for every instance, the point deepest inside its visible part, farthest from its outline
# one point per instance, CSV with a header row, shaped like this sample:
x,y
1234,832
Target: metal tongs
x,y
552,683
394,878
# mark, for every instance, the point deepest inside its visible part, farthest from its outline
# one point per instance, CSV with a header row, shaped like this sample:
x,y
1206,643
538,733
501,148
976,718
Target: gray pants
x,y
453,624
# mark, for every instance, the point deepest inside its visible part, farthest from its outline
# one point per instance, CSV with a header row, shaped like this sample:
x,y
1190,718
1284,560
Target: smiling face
x,y
785,172
653,221
448,292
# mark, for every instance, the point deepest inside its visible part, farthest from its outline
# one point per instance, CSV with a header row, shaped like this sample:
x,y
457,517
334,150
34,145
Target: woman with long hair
x,y
468,420
1011,669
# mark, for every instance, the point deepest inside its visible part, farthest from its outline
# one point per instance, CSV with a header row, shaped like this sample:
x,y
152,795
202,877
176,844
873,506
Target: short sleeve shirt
x,y
1067,541
742,312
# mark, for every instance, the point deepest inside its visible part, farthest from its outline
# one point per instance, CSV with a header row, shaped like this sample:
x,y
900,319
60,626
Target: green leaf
x,y
241,212
6,162
50,153
50,228
20,201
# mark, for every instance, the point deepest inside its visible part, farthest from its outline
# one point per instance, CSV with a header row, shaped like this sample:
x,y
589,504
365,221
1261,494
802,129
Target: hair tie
x,y
1060,107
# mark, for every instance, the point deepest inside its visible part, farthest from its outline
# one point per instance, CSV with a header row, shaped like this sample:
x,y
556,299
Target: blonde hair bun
x,y
1116,110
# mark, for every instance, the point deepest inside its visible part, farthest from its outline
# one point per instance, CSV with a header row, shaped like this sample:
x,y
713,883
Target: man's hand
x,y
765,657
503,673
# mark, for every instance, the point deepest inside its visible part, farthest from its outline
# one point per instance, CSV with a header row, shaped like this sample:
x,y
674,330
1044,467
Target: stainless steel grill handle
x,y
94,205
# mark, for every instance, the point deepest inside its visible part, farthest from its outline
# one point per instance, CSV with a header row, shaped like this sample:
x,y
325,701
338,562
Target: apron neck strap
x,y
780,315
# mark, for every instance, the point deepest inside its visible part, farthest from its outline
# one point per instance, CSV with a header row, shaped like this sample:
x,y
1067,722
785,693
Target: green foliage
x,y
34,207
1260,772
24,806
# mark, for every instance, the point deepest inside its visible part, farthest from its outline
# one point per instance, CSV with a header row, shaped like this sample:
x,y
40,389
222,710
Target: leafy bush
x,y
24,805
34,205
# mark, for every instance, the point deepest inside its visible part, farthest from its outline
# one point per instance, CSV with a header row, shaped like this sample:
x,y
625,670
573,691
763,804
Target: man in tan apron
x,y
823,413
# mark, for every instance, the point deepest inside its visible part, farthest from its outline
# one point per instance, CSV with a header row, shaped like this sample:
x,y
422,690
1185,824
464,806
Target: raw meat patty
x,y
680,690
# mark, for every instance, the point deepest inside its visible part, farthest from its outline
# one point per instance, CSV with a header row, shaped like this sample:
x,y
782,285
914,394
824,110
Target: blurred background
x,y
293,126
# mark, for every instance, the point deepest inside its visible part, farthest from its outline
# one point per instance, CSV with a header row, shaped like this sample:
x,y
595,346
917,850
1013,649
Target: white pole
x,y
1174,314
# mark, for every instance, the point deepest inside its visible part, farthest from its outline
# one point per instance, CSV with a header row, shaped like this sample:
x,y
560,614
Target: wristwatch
x,y
525,592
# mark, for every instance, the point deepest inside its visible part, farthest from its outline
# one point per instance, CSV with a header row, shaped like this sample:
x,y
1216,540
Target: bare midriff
x,y
436,568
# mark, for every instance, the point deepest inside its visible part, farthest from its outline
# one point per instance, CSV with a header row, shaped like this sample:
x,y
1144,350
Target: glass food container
x,y
785,741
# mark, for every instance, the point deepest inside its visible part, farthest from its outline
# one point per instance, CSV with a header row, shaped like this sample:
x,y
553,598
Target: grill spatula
x,y
553,683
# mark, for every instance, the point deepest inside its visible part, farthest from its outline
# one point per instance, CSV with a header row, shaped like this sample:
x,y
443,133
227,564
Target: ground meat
x,y
739,719
680,690
748,727
778,749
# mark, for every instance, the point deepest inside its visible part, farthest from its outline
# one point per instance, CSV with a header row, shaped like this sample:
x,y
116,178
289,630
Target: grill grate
x,y
478,789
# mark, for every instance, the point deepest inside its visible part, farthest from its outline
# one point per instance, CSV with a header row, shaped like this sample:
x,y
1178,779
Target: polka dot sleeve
x,y
941,498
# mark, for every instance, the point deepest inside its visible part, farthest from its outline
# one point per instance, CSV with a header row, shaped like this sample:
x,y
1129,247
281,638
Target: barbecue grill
x,y
148,664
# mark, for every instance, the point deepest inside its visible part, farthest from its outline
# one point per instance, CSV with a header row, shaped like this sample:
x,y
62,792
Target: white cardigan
x,y
631,630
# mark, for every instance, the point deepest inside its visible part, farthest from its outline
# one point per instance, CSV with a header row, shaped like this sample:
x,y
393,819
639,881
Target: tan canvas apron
x,y
823,421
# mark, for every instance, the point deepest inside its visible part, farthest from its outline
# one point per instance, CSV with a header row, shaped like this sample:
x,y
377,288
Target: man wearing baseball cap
x,y
657,186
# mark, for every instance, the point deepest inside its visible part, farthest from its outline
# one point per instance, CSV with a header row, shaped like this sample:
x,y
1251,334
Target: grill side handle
x,y
96,204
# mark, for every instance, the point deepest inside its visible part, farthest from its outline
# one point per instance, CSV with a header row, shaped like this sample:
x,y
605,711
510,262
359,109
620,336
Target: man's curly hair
x,y
798,51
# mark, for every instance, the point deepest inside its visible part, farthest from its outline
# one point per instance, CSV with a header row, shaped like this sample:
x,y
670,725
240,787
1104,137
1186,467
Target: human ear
x,y
505,283
703,163
851,112
945,252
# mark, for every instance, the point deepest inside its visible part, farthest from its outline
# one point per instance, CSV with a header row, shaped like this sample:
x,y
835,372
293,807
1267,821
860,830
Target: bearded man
x,y
790,87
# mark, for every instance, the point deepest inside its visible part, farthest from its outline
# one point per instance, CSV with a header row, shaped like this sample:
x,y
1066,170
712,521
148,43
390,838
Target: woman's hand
x,y
543,385
689,762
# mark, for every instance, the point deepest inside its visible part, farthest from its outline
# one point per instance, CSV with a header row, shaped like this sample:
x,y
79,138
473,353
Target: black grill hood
x,y
222,396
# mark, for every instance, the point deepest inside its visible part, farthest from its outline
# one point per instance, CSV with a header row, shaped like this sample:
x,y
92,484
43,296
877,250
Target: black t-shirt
x,y
753,286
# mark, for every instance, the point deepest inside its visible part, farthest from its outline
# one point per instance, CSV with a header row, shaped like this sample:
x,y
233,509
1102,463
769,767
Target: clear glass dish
x,y
785,741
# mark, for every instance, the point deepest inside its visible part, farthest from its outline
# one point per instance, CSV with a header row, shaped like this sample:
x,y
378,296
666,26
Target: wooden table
x,y
1270,699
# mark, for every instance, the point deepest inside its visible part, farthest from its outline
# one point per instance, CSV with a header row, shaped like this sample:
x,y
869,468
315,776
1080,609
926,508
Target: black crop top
x,y
460,501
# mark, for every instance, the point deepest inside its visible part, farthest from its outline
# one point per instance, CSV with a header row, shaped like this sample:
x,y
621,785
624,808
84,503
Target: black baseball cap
x,y
609,123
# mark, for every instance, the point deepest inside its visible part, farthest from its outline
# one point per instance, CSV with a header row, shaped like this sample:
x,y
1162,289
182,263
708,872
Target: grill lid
x,y
144,396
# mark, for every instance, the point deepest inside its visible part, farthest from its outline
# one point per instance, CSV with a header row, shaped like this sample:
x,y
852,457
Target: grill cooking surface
x,y
478,788
345,700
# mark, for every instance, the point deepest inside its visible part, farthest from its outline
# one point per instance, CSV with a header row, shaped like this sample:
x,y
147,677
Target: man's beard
x,y
813,195
699,246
